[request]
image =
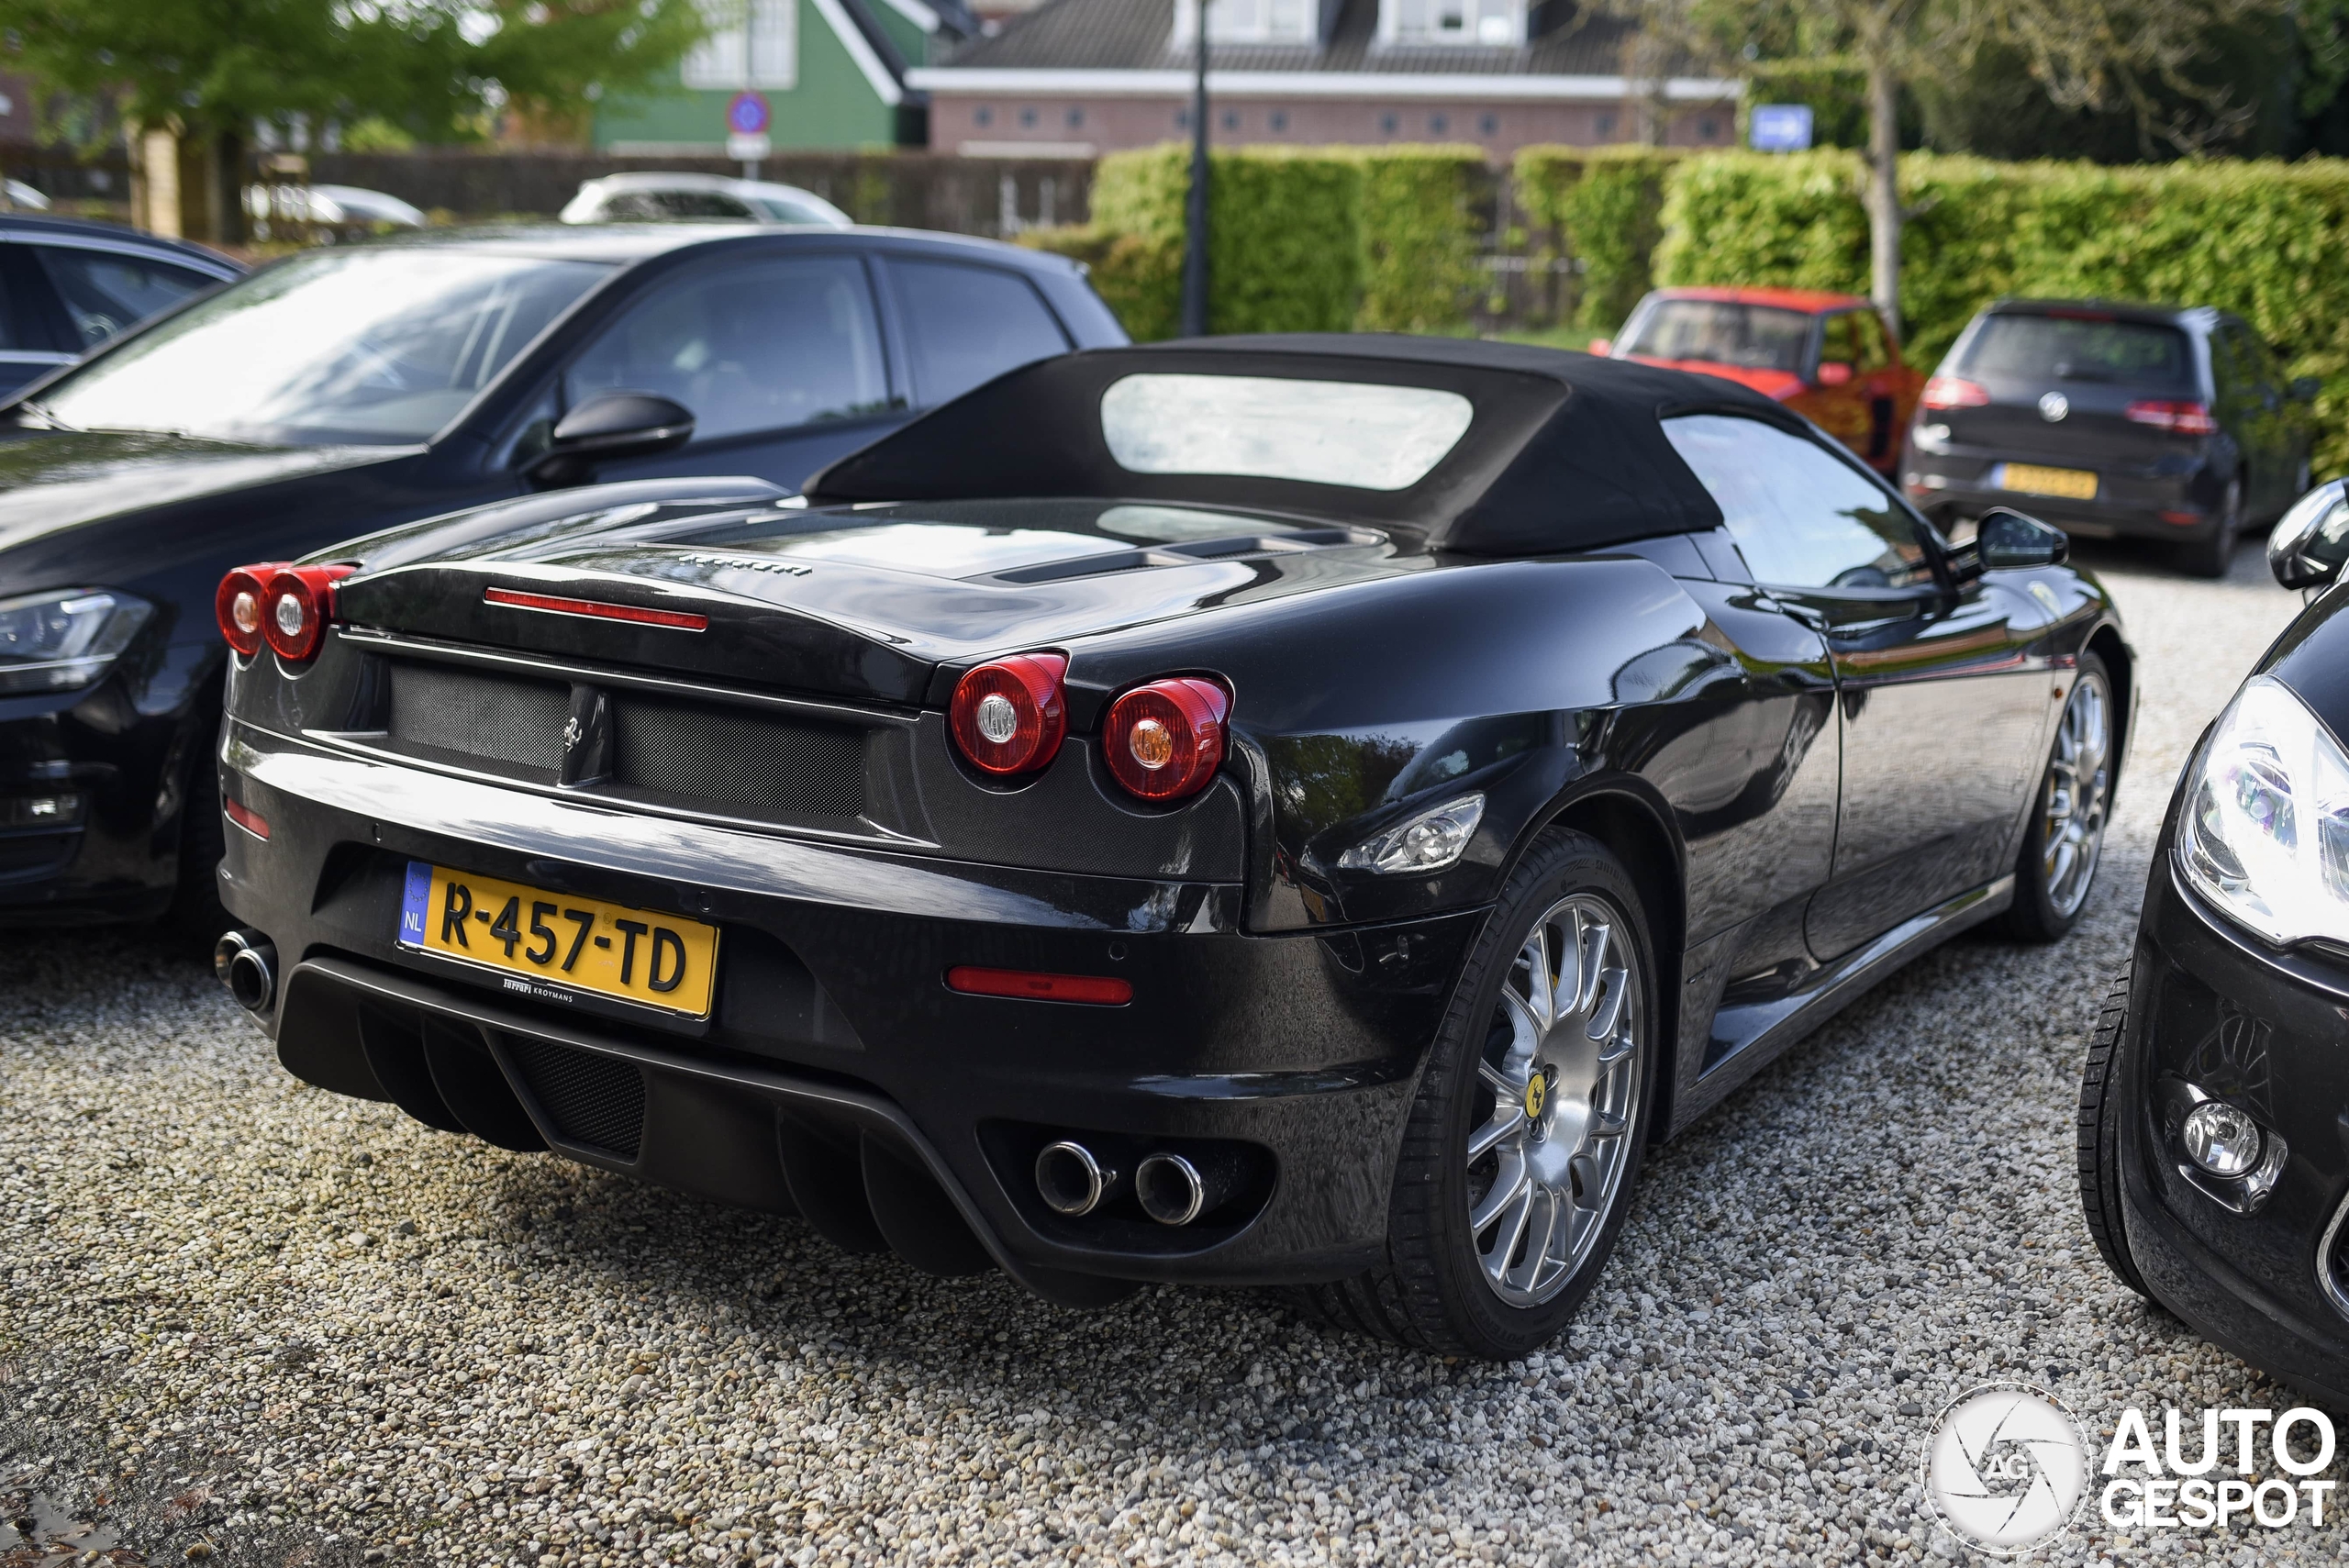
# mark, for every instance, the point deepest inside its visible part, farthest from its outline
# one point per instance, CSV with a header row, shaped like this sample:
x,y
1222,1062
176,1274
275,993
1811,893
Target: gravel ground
x,y
283,1328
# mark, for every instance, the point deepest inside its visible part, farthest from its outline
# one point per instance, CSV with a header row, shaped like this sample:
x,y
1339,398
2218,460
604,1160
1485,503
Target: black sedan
x,y
2214,1109
67,286
2113,421
1301,811
353,388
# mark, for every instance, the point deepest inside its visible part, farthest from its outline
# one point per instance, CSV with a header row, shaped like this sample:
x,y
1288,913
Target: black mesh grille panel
x,y
593,1099
725,758
453,715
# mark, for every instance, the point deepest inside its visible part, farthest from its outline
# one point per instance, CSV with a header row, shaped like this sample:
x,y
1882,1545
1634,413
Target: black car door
x,y
1940,711
780,359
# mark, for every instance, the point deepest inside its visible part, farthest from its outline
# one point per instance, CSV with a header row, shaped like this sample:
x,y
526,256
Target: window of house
x,y
982,115
1250,21
1027,118
1490,125
1387,124
1491,24
1606,125
1279,119
750,43
1708,129
1076,120
1438,124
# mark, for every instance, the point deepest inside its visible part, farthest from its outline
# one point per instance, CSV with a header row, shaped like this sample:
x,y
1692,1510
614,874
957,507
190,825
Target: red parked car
x,y
1826,356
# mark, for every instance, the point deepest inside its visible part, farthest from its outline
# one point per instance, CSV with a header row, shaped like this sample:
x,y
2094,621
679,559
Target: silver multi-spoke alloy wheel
x,y
2079,791
1560,1086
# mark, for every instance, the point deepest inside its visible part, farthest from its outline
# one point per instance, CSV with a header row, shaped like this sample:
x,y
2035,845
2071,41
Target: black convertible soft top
x,y
1565,452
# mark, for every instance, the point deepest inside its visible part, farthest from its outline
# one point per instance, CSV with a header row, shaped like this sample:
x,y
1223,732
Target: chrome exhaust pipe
x,y
1176,1189
246,962
1070,1180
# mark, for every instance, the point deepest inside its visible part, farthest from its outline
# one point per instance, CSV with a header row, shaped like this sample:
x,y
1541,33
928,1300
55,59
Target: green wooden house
x,y
832,73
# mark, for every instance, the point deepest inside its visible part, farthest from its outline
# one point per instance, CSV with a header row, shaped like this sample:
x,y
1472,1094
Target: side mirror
x,y
611,425
2005,540
1602,347
1834,372
2312,540
2304,389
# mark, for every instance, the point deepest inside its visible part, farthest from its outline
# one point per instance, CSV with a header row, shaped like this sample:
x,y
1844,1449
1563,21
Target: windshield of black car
x,y
370,346
1755,336
2077,348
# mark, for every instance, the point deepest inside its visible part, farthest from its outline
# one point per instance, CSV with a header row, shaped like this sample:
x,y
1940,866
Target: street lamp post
x,y
1194,238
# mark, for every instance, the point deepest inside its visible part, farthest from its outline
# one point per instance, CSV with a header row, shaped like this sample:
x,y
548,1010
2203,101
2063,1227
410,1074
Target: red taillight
x,y
1008,715
2184,418
237,605
1099,990
1950,392
245,816
1165,740
296,604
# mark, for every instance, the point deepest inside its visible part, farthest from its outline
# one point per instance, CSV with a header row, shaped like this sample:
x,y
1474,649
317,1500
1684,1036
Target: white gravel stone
x,y
373,1343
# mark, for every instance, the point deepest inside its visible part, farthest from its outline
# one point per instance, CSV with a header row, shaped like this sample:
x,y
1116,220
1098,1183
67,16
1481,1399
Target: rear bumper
x,y
2131,501
2208,1006
837,1075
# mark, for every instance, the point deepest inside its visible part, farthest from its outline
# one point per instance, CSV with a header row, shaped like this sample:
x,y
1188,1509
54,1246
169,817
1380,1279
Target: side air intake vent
x,y
592,1099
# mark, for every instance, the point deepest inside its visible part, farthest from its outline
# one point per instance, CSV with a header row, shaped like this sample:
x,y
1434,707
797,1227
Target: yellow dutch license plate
x,y
559,942
2072,483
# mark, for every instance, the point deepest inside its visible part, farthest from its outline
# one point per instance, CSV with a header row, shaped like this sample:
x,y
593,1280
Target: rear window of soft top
x,y
2084,346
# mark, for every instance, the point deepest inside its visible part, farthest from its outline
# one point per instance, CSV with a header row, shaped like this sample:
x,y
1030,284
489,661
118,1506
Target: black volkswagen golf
x,y
1299,811
2214,1109
351,388
2110,421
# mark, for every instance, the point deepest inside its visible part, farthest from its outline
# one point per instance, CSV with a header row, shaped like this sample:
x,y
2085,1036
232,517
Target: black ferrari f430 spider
x,y
1282,811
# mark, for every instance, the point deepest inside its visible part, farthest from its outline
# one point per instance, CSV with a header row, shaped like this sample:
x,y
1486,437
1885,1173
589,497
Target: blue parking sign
x,y
1779,128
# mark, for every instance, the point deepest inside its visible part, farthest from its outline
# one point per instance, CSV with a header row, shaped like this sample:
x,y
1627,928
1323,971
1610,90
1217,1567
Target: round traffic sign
x,y
747,115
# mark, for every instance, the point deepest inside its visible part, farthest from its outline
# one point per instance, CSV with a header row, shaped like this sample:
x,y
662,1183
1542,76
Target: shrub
x,y
1302,240
1605,205
2260,238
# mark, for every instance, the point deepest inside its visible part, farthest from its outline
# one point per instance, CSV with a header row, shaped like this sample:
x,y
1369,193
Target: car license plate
x,y
560,941
2072,483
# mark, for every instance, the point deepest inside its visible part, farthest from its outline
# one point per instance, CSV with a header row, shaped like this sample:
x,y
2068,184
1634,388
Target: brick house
x,y
1077,78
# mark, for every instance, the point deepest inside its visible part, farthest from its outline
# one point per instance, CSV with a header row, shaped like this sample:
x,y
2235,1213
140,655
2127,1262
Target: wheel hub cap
x,y
1560,1090
2079,789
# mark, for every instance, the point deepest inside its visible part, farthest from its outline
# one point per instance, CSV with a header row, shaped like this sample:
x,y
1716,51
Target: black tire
x,y
196,917
2214,554
2038,914
1431,1293
2102,1105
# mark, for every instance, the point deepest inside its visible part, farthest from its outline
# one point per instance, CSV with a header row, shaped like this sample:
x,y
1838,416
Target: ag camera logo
x,y
2006,1467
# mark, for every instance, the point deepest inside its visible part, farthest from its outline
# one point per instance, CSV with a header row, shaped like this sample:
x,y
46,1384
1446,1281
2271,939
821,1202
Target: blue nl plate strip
x,y
415,905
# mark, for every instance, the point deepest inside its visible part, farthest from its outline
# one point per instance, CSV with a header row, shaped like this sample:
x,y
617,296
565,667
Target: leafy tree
x,y
433,70
2150,60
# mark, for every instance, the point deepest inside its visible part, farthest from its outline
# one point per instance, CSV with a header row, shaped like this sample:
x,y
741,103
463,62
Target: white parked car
x,y
348,210
667,198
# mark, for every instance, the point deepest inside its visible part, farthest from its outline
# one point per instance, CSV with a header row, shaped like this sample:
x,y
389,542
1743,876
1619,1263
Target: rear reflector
x,y
245,816
593,609
1097,989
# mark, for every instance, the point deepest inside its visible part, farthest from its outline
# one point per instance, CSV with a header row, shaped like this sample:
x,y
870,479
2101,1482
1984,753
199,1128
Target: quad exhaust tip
x,y
1070,1180
1171,1189
246,962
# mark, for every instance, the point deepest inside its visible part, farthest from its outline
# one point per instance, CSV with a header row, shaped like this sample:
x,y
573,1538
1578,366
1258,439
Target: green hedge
x,y
1605,206
2262,238
1307,239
